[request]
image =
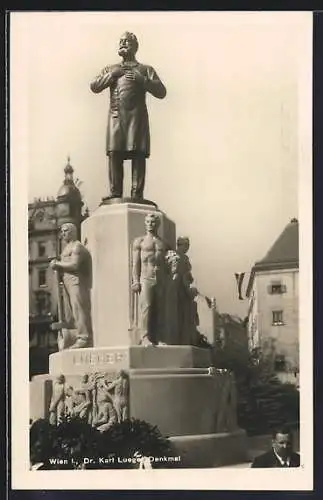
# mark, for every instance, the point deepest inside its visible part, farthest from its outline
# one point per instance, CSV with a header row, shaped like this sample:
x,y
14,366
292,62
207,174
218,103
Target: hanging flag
x,y
239,279
208,301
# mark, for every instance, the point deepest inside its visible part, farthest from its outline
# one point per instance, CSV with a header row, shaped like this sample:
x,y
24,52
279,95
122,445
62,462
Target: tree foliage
x,y
263,400
68,445
138,437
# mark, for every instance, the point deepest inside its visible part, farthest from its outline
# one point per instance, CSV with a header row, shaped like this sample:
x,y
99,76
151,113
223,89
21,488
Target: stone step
x,y
242,465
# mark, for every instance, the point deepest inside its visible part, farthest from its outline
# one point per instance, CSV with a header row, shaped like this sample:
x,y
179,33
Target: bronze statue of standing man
x,y
128,135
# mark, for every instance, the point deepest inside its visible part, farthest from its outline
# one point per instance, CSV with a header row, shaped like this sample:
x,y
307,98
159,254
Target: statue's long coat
x,y
128,125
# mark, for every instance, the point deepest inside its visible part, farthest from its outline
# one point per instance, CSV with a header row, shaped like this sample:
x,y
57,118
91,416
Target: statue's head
x,y
123,374
128,44
68,232
183,244
79,395
69,391
152,222
85,378
61,379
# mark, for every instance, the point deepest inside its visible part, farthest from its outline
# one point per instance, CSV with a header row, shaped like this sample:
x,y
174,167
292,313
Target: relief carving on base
x,y
101,399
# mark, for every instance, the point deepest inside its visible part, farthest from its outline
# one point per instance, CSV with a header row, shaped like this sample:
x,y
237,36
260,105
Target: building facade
x,y
45,216
273,326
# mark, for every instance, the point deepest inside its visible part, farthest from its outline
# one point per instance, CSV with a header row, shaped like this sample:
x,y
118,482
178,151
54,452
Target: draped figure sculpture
x,y
187,307
172,297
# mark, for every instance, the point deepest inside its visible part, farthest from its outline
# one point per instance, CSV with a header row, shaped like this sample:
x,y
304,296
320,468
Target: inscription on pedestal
x,y
99,358
80,361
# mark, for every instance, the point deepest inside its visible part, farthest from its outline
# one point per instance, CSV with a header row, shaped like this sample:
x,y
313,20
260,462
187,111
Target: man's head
x,y
152,223
183,244
282,441
128,45
68,232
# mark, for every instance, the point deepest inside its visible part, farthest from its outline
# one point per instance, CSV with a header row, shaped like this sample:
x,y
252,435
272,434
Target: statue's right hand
x,y
117,73
136,287
53,264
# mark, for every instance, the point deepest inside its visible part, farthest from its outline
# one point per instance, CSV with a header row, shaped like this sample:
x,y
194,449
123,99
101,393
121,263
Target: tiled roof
x,y
284,252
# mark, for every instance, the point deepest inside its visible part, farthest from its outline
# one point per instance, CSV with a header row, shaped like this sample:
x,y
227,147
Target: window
x,y
256,355
41,249
33,339
43,339
280,363
278,318
42,303
42,277
276,288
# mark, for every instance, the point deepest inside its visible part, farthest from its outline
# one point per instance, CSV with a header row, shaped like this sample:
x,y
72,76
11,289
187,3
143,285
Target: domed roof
x,y
68,188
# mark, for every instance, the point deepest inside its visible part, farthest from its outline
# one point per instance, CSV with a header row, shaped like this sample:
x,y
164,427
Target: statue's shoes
x,y
79,344
113,196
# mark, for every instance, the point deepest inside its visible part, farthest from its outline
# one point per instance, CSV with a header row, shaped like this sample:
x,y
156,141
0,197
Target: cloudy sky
x,y
225,141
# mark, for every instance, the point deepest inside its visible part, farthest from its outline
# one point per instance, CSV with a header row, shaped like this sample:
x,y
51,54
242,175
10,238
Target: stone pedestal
x,y
172,387
108,234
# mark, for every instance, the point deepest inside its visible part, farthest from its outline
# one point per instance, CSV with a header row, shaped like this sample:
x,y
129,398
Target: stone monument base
x,y
211,450
172,387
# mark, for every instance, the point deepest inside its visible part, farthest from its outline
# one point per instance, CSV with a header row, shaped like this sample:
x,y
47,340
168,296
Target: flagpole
x,y
214,318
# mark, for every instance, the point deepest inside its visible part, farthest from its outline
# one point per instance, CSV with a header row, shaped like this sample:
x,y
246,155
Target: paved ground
x,y
244,465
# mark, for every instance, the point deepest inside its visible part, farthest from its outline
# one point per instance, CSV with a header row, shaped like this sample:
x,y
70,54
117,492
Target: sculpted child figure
x,y
121,395
106,414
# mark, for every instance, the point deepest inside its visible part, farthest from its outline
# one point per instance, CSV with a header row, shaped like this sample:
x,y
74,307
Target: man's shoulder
x,y
295,459
137,241
78,245
265,459
113,65
161,243
145,67
110,67
268,459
